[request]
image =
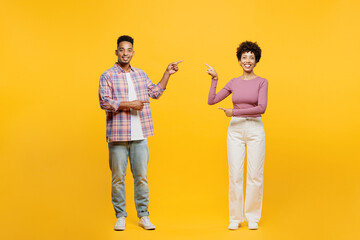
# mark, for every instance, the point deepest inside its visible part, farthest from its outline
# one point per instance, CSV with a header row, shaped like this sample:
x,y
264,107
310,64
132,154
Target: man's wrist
x,y
167,73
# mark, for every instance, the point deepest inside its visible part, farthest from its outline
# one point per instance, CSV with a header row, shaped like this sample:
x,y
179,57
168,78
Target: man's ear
x,y
116,52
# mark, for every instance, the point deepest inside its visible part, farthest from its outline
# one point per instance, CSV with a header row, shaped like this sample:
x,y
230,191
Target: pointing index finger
x,y
209,66
178,62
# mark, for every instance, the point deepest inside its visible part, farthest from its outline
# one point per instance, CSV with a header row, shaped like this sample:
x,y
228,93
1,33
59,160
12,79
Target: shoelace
x,y
121,221
146,220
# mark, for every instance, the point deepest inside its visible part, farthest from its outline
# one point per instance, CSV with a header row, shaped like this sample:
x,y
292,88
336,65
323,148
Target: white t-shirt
x,y
136,130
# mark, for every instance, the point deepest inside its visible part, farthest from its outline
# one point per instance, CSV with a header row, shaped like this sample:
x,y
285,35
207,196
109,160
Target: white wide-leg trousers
x,y
246,133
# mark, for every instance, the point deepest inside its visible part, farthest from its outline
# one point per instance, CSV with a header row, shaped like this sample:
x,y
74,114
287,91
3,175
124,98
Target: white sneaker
x,y
145,223
253,225
233,225
120,224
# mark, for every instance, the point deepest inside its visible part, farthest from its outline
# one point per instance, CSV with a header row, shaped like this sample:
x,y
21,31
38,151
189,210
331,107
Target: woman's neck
x,y
248,75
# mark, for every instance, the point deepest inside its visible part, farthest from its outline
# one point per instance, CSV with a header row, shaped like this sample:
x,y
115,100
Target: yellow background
x,y
55,180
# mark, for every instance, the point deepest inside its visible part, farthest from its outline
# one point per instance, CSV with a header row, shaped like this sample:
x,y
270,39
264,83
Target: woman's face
x,y
247,61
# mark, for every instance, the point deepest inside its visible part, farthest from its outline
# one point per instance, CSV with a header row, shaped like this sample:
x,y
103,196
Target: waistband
x,y
248,118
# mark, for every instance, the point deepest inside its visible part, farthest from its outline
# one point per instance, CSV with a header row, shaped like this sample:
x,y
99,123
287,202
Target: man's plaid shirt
x,y
113,89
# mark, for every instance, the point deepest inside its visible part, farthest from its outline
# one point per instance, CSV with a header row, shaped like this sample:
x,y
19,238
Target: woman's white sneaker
x,y
253,225
233,225
145,223
120,224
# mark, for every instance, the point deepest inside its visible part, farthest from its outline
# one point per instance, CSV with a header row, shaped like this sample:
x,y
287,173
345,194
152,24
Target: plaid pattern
x,y
113,89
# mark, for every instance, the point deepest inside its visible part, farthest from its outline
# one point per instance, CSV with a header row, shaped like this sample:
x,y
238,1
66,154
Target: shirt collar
x,y
117,66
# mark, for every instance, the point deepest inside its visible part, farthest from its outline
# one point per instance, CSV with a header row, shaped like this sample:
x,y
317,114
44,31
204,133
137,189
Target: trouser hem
x,y
143,214
118,215
252,220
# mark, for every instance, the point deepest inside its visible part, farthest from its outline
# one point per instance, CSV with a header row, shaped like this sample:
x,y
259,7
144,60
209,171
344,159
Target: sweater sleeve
x,y
262,103
221,95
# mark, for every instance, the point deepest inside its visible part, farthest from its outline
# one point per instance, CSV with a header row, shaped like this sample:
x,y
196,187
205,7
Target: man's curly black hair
x,y
248,46
125,38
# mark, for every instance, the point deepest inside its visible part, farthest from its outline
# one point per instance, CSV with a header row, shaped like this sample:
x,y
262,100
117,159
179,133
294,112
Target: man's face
x,y
124,52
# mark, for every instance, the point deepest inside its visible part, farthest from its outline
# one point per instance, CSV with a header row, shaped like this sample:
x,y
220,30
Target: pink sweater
x,y
249,96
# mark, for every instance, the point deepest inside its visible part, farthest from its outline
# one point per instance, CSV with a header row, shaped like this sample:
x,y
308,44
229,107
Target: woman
x,y
245,130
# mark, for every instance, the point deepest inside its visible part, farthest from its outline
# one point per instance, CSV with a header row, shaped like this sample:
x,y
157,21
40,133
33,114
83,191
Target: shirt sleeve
x,y
155,91
262,103
221,95
105,94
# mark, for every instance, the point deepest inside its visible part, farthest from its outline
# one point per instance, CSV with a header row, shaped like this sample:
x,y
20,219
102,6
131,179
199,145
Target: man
x,y
124,95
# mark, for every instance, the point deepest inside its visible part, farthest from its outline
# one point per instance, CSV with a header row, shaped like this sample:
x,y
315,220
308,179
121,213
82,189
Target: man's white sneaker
x,y
120,224
233,225
145,223
253,225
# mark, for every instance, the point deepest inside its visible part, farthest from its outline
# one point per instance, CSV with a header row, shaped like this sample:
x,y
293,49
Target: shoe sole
x,y
233,228
119,229
147,228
